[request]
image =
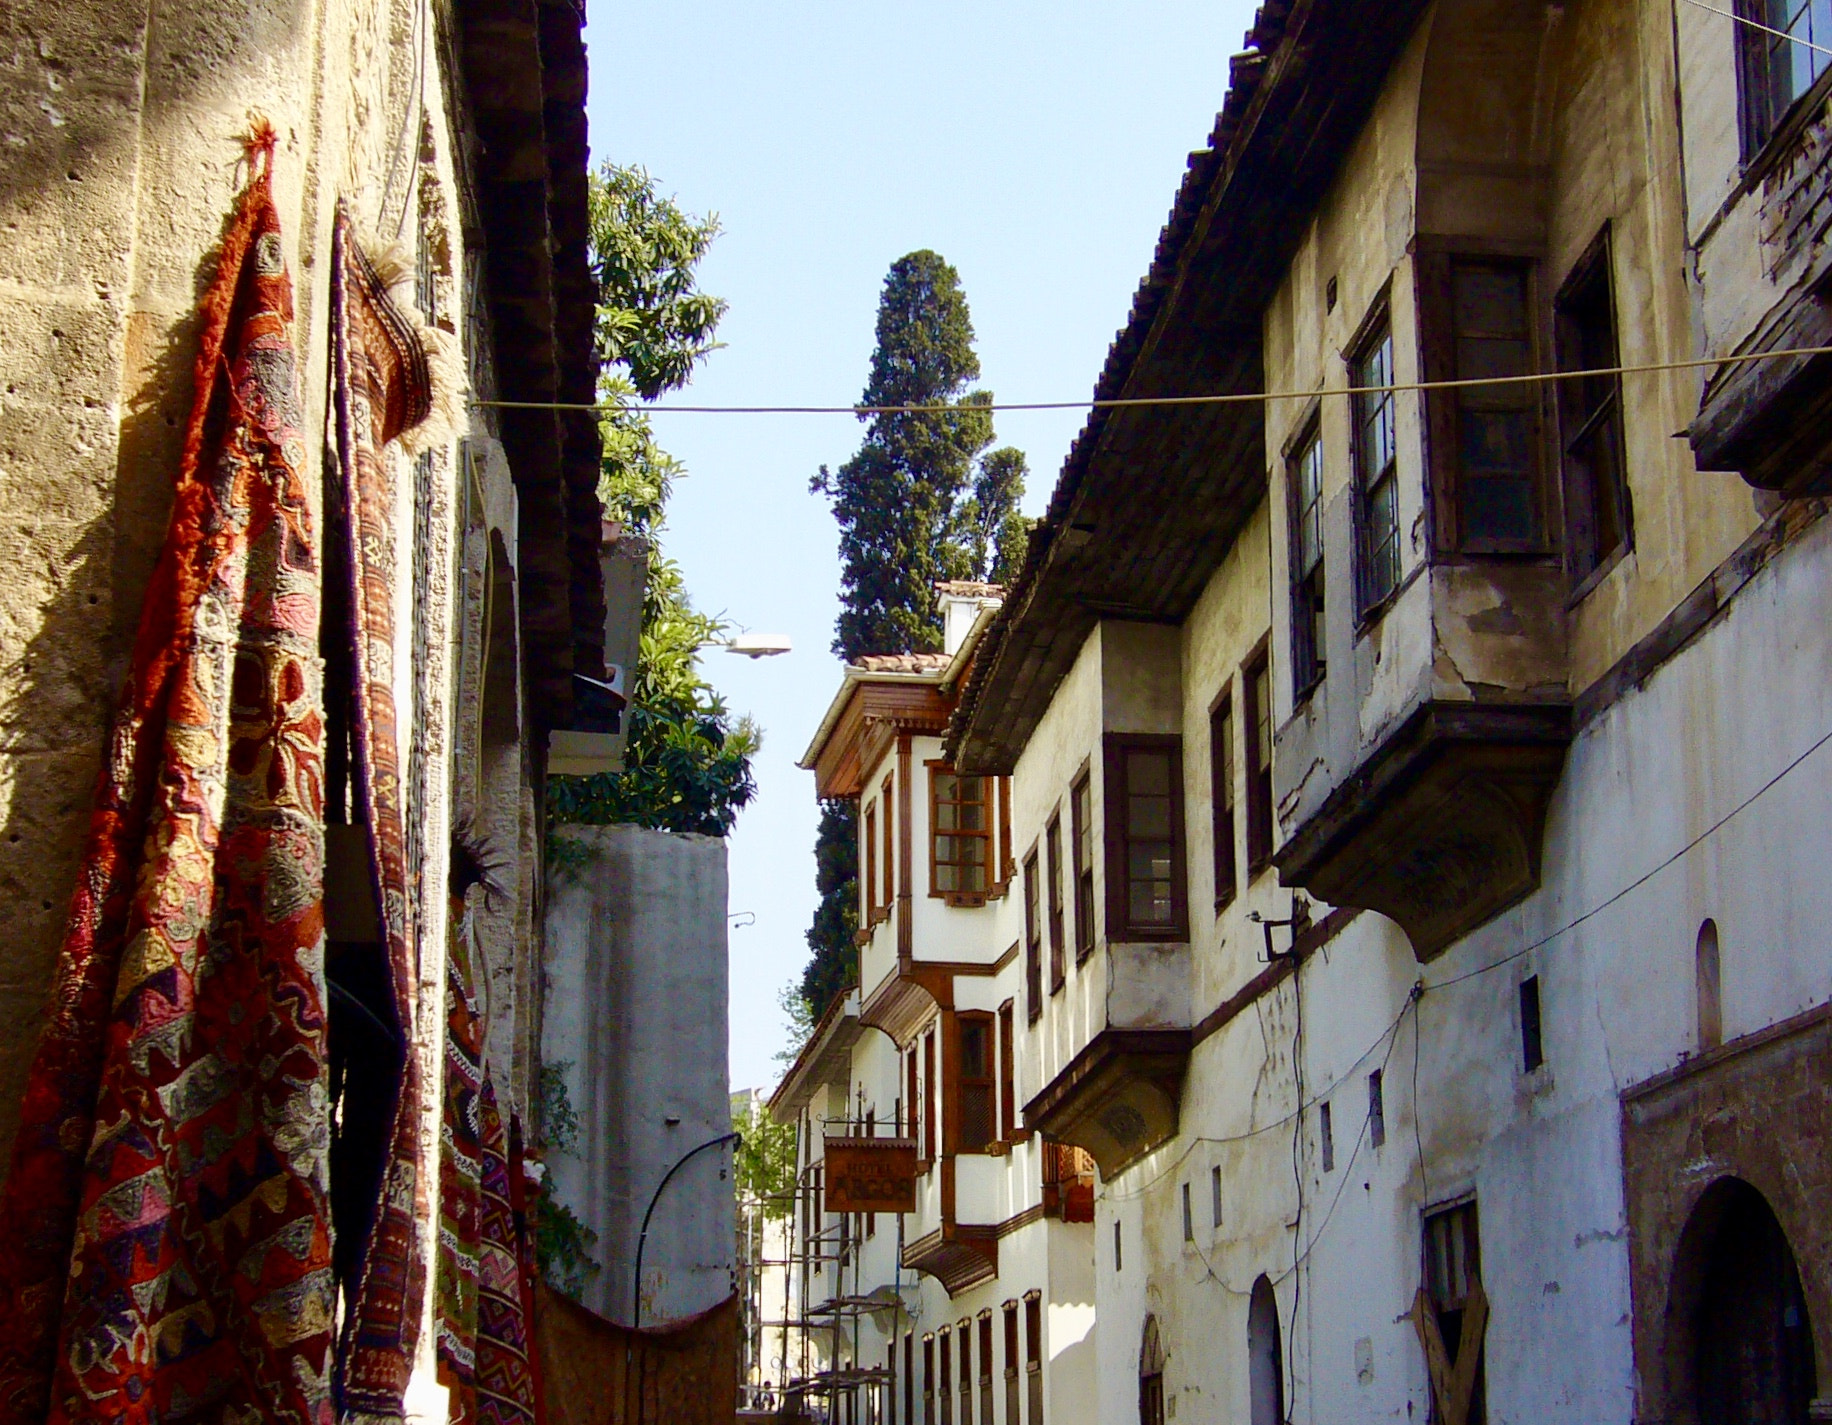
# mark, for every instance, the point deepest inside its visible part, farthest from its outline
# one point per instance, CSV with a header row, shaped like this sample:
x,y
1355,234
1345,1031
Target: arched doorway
x,y
1265,1357
1151,1375
1737,1291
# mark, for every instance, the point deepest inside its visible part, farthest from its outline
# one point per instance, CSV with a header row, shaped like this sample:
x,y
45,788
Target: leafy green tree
x,y
923,500
687,761
765,1164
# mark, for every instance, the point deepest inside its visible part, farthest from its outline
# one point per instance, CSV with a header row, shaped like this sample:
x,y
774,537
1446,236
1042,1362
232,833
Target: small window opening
x,y
1377,1112
1326,1130
1119,1256
1189,1218
1710,988
1532,1051
1215,1196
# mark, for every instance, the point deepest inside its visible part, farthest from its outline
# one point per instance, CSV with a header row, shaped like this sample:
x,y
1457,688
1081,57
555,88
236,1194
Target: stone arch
x,y
1151,1374
1739,1333
1265,1356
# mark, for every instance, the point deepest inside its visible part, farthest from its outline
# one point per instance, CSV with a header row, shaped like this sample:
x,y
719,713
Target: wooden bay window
x,y
1145,861
960,836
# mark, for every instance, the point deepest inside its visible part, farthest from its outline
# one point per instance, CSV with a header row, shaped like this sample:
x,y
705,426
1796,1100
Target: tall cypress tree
x,y
922,500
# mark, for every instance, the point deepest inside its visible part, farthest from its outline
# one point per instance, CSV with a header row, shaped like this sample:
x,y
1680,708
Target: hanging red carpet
x,y
167,1252
381,386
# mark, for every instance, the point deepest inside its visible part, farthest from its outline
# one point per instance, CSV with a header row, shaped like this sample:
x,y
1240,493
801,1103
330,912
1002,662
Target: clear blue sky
x,y
1037,147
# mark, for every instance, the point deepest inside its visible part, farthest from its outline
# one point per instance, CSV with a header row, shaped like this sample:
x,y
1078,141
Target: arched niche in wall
x,y
1484,120
501,713
1265,1357
1710,985
1740,1339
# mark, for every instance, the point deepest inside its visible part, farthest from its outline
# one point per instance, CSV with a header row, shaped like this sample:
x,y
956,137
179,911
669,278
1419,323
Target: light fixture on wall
x,y
754,645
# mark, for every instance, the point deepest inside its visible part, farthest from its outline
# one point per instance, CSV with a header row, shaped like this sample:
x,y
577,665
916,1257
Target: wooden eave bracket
x,y
1771,421
1118,1098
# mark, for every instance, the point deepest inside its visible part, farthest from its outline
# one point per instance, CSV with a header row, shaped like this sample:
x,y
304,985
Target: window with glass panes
x,y
1258,683
1486,451
1052,857
976,1111
1081,827
1221,799
1033,941
1597,523
960,834
1305,480
1376,453
1781,62
1145,838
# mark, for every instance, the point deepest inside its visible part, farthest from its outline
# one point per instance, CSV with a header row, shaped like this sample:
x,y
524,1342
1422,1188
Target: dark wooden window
x,y
1532,1046
1151,1374
986,1367
1777,70
928,1095
1221,797
960,841
1007,862
976,1116
909,1125
1008,1105
1033,1358
1304,482
1598,523
889,799
1012,1370
1033,942
1374,443
944,1387
1052,844
1257,681
1081,831
870,909
909,1378
928,1380
963,1333
1453,1266
1145,887
1485,441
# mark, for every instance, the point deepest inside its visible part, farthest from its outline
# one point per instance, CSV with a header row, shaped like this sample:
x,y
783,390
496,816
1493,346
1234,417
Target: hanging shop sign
x,y
871,1175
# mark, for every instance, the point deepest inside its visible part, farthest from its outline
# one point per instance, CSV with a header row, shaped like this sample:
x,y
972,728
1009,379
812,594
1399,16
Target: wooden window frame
x,y
1371,599
1013,1355
1438,1225
1081,859
1033,1357
989,810
1120,926
911,1096
1008,1098
1223,801
985,1364
1033,940
960,1081
1306,585
963,1334
928,1378
888,799
1261,832
1437,260
1590,411
1052,858
870,878
1766,125
944,1385
928,1095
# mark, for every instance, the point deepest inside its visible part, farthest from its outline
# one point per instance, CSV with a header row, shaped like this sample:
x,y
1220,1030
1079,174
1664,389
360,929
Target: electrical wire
x,y
1230,398
1757,25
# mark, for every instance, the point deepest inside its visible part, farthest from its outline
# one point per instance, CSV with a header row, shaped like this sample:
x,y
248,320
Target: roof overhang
x,y
825,1059
869,710
1150,498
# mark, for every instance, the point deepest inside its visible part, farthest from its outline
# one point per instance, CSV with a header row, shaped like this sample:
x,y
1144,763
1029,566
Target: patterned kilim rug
x,y
167,1253
381,386
483,1291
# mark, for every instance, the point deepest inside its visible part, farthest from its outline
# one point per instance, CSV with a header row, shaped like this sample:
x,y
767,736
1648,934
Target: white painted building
x,y
979,1305
1424,791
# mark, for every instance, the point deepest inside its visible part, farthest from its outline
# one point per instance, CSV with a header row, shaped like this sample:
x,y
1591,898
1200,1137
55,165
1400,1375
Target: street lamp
x,y
754,645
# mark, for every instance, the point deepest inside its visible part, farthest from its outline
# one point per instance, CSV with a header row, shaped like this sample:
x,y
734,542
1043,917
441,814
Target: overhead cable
x,y
1230,398
1758,25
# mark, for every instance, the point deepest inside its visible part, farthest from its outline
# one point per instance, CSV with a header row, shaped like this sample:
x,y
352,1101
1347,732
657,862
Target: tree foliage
x,y
765,1164
687,761
923,500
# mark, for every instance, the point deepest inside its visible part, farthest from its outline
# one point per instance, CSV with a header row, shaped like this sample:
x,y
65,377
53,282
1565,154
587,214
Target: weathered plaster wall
x,y
635,1022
